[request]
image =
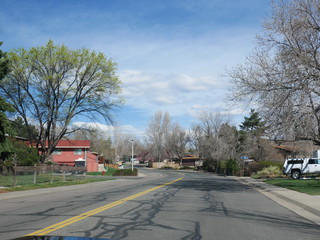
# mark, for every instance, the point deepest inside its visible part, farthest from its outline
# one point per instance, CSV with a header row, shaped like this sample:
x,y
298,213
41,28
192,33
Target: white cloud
x,y
163,67
108,130
177,94
153,85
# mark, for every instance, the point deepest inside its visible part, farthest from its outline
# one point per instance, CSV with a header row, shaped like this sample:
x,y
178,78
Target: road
x,y
190,206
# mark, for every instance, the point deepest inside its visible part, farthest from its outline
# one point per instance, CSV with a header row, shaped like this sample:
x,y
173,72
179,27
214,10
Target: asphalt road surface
x,y
163,205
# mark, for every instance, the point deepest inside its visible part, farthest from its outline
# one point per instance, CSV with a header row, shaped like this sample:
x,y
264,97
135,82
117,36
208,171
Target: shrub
x,y
266,164
167,168
94,173
126,172
210,165
228,167
186,168
232,166
272,171
255,167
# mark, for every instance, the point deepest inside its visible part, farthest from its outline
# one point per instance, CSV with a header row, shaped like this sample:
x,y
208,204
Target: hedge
x,y
126,172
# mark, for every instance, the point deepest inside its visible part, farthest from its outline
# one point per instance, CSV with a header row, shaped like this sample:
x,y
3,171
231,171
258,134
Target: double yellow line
x,y
82,216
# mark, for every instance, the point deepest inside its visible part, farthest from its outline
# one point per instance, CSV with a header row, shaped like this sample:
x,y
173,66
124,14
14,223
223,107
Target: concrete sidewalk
x,y
307,206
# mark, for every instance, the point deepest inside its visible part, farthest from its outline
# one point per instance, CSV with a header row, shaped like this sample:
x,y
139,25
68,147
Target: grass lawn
x,y
311,187
7,181
26,182
54,184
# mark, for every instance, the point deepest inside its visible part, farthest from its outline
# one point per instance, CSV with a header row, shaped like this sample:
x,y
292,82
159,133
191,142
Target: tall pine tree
x,y
5,145
253,124
251,131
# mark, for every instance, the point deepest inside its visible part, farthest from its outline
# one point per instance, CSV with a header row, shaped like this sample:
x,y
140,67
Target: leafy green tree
x,y
5,146
52,85
4,69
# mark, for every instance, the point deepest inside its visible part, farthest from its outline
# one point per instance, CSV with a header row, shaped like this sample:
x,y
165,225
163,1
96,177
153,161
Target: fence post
x,y
63,173
14,170
35,175
14,176
51,176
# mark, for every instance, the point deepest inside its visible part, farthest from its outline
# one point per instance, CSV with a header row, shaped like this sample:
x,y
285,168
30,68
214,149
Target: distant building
x,y
75,153
189,161
294,151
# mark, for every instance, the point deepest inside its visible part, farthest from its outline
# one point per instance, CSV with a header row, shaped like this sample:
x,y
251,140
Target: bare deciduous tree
x,y
214,139
228,139
176,141
282,75
196,140
98,142
156,133
123,143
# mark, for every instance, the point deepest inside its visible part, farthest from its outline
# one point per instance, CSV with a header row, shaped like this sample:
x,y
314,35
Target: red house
x,y
75,153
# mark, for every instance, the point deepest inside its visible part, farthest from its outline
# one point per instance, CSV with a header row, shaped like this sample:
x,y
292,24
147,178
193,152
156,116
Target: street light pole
x,y
132,142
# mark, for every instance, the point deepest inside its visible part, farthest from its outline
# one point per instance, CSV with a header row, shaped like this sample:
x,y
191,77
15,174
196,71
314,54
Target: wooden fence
x,y
116,166
23,175
48,168
164,164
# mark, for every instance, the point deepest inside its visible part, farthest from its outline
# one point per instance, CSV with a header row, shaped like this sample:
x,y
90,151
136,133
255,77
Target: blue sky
x,y
172,55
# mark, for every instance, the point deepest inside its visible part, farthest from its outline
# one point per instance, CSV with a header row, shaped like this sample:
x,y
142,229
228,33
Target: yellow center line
x,y
82,216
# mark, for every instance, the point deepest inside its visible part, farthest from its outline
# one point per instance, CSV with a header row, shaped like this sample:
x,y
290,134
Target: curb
x,y
292,200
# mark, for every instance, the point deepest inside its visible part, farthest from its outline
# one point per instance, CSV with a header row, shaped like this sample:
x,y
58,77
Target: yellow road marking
x,y
82,216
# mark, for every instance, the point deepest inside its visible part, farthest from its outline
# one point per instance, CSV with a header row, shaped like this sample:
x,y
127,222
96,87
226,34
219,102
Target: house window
x,y
78,151
57,152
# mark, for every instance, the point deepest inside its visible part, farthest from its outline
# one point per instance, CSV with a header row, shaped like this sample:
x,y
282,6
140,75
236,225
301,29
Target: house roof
x,y
286,148
73,144
16,137
190,158
68,144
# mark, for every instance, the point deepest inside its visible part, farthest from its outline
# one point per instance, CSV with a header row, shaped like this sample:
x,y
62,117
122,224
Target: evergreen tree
x,y
5,145
251,131
24,155
21,130
253,124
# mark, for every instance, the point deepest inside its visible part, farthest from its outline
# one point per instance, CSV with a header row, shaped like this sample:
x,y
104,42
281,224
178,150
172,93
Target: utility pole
x,y
132,142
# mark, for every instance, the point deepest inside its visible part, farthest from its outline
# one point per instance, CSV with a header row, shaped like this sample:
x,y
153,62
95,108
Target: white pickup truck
x,y
301,166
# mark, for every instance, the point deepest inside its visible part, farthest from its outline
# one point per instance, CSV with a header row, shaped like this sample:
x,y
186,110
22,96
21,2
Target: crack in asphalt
x,y
141,217
166,212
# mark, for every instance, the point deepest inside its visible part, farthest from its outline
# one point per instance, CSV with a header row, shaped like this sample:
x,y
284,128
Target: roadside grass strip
x,y
82,216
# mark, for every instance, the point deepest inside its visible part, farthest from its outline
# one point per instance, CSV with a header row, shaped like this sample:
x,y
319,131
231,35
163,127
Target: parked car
x,y
295,167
